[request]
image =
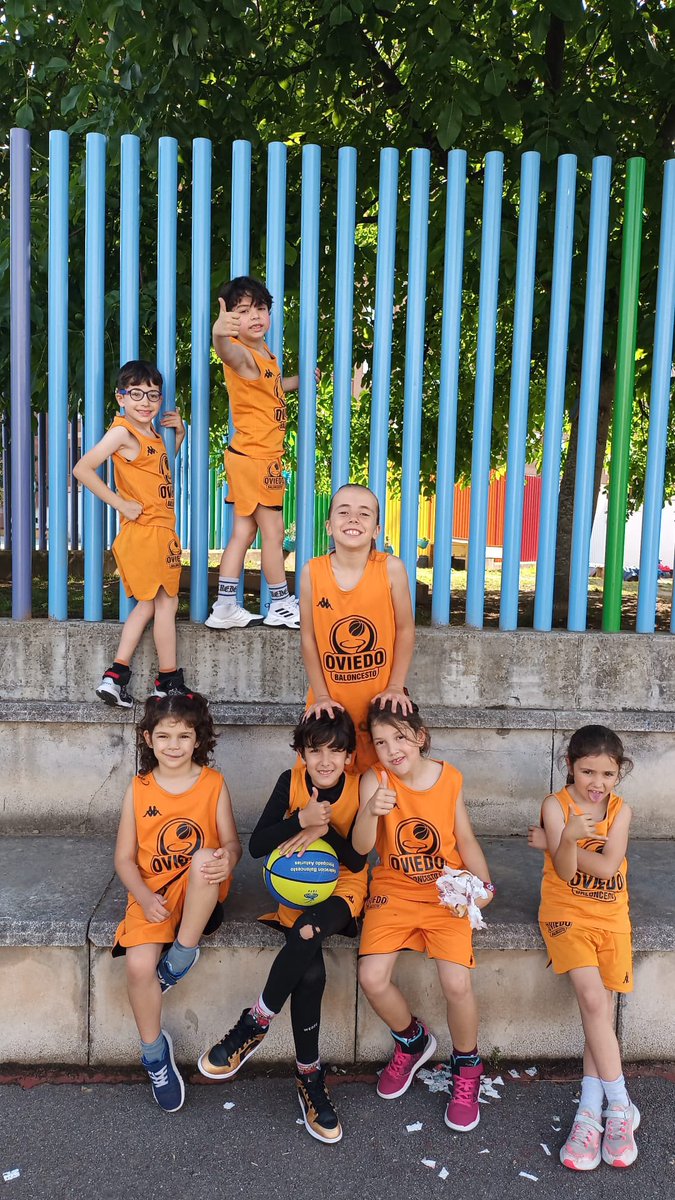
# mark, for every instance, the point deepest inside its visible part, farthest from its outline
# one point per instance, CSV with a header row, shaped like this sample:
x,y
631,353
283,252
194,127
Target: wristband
x,y
490,887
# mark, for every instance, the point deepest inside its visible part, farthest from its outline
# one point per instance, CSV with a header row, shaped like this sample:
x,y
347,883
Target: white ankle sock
x,y
615,1091
592,1095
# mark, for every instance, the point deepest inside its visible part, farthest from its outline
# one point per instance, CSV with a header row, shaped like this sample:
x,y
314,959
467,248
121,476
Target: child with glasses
x,y
147,550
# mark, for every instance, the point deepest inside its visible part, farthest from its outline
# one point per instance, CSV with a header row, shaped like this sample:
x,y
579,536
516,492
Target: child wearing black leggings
x,y
315,799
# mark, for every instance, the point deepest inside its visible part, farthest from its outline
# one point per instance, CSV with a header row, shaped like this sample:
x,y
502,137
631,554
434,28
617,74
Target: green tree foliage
x,y
556,76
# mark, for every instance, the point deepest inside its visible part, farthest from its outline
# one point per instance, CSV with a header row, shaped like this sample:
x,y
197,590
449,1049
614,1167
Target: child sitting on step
x,y
177,847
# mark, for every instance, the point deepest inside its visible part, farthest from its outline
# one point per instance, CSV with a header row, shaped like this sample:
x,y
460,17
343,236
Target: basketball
x,y
299,882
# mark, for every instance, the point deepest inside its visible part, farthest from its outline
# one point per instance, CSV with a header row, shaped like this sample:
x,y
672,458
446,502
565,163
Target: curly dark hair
x,y
337,732
244,286
409,724
192,709
592,740
138,371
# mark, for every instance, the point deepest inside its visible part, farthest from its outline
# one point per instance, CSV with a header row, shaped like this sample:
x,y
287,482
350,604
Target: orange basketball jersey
x,y
146,479
258,408
417,839
585,900
352,886
355,633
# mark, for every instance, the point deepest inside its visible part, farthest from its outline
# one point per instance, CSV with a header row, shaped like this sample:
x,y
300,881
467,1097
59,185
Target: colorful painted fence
x,y
198,500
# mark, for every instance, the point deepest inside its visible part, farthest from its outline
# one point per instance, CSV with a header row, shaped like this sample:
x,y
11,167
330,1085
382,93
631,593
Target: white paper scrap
x,y
514,1074
498,1082
531,1071
428,1162
487,1089
443,1173
556,1128
229,1104
545,1148
14,1174
483,1151
526,1175
416,1125
299,1121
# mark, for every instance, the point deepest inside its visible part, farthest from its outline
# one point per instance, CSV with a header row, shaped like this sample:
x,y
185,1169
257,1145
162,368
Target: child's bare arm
x,y
562,837
226,327
228,853
469,849
606,862
291,383
536,837
85,471
173,420
404,641
126,847
310,652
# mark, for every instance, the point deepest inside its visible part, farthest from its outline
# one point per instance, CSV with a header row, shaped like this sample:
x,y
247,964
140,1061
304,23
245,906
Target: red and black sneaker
x,y
112,689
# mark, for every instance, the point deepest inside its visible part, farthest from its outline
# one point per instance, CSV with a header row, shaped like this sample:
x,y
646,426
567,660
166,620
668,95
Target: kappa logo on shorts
x,y
417,851
377,901
152,812
556,928
354,654
324,602
177,841
626,978
274,477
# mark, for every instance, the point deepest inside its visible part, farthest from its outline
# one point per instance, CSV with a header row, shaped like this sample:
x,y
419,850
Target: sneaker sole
x,y
574,1166
613,1162
166,987
461,1128
430,1050
178,1107
221,1075
216,624
112,701
313,1133
281,624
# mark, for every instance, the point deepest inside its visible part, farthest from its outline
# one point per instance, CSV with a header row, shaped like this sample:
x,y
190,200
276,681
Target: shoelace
x,y
611,1130
464,1090
582,1130
159,1078
401,1062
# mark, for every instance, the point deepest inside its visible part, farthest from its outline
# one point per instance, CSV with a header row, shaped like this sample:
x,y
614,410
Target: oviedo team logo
x,y
280,415
274,477
177,841
590,887
165,488
417,856
354,653
173,553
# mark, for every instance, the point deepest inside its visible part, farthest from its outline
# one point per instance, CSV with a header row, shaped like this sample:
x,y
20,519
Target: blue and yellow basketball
x,y
300,881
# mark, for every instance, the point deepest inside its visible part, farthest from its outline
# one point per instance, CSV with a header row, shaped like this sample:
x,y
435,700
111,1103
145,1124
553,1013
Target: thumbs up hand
x,y
384,799
315,812
227,323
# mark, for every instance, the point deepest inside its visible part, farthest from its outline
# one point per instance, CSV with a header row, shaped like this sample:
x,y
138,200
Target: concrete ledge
x,y
49,888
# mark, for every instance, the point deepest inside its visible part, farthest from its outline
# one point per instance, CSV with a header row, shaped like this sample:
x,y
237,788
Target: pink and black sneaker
x,y
400,1070
463,1113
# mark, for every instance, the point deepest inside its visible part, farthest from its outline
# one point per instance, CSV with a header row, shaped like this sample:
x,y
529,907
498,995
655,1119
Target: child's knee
x,y
199,859
372,978
456,986
140,967
164,603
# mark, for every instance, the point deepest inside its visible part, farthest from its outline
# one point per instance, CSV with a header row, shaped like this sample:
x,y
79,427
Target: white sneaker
x,y
284,612
114,693
231,616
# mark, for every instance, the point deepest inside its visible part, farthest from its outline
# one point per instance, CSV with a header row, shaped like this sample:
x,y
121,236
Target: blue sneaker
x,y
167,1086
167,977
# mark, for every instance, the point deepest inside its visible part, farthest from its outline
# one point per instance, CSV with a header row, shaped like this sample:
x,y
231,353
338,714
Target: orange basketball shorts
x,y
391,924
136,930
569,947
253,481
148,558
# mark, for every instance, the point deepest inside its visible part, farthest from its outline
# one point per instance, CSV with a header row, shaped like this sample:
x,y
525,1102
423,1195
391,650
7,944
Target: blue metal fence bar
x,y
6,483
42,481
94,329
57,382
184,460
485,368
201,345
584,497
449,386
382,334
111,525
21,434
74,438
309,327
344,315
240,257
167,231
662,366
130,226
414,361
275,271
561,282
520,389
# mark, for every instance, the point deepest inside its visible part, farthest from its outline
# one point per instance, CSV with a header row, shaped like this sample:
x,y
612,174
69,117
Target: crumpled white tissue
x,y
459,890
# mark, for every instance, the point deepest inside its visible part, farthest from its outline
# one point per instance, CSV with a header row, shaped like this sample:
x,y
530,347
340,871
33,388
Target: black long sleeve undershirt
x,y
274,827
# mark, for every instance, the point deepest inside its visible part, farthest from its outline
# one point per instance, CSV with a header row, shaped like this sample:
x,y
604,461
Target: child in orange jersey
x,y
357,631
177,847
315,799
254,457
413,812
147,550
585,924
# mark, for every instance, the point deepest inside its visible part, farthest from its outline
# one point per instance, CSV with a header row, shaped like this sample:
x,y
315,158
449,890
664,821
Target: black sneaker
x,y
319,1115
112,690
172,685
167,1085
225,1058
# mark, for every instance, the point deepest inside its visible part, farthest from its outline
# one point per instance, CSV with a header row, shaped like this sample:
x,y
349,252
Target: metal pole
x,y
384,320
344,315
23,534
94,359
201,349
309,324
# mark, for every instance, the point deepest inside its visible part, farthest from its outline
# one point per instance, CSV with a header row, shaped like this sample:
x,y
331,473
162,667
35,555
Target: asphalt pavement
x,y
108,1140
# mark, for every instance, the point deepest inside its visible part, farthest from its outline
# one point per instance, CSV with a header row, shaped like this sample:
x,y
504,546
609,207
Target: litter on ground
x,y
415,1127
439,1079
498,1081
229,1104
514,1074
531,1071
13,1174
483,1151
545,1148
526,1175
428,1162
443,1173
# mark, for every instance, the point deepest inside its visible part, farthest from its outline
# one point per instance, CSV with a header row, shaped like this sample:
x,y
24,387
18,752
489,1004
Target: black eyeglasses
x,y
138,394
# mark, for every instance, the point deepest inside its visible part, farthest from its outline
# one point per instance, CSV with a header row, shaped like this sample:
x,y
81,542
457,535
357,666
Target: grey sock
x,y
179,957
153,1051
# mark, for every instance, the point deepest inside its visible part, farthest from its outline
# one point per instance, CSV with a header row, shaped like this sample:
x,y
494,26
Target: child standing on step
x,y
254,457
177,847
585,924
357,630
147,550
413,812
315,799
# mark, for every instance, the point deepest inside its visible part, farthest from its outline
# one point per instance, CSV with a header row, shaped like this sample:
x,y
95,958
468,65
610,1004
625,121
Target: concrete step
x,y
63,997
